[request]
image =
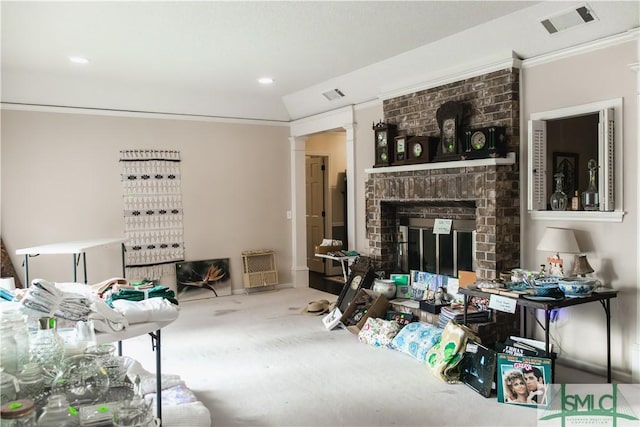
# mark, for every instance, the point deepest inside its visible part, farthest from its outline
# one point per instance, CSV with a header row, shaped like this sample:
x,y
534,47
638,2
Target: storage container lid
x,y
17,409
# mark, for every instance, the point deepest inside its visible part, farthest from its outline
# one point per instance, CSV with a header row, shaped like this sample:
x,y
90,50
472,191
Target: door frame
x,y
342,118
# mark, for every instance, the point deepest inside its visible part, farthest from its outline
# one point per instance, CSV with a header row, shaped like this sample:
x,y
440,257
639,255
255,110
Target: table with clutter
x,y
60,365
546,293
332,250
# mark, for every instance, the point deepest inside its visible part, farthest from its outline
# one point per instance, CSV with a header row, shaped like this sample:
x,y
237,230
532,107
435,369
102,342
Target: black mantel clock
x,y
484,143
384,134
449,117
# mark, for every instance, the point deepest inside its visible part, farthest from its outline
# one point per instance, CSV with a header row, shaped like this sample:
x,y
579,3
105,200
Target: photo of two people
x,y
523,380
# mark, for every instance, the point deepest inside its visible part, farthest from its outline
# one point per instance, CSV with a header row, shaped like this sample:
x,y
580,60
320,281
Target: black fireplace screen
x,y
420,249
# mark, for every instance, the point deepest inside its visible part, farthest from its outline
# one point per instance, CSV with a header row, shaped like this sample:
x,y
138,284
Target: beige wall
x,y
579,334
61,182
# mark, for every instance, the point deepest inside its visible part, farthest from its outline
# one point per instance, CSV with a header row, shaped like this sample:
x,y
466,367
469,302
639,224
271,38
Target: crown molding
x,y
368,104
340,118
456,74
136,114
580,49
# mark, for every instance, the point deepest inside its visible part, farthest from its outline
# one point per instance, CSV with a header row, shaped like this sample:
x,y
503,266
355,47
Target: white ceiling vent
x,y
571,18
333,94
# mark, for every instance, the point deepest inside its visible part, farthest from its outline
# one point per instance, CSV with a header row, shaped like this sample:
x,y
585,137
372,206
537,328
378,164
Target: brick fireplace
x,y
488,194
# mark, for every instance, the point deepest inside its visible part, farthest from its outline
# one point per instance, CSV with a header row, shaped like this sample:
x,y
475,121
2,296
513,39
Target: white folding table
x,y
345,261
76,248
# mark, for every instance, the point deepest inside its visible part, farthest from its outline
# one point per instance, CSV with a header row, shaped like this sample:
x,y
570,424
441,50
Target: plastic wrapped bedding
x,y
149,310
180,407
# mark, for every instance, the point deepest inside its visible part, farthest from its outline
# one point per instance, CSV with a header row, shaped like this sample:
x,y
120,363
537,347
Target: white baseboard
x,y
616,375
635,364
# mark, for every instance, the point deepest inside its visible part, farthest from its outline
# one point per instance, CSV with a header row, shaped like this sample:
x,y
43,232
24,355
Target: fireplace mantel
x,y
509,160
483,190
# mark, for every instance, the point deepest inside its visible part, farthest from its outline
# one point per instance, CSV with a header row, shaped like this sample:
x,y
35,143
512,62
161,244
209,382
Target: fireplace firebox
x,y
420,249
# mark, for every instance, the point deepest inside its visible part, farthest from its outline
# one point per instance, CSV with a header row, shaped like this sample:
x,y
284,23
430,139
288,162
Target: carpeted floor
x,y
255,360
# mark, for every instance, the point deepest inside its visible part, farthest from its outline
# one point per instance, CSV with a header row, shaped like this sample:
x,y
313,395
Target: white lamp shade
x,y
558,240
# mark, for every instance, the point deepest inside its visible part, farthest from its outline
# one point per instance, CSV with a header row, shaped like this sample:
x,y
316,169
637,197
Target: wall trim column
x,y
635,350
299,268
351,185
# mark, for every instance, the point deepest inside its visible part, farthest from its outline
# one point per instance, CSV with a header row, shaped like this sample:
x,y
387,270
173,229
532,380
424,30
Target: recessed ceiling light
x,y
265,80
78,60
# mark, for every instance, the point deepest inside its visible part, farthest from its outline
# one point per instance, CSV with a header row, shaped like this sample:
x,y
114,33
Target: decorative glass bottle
x,y
590,199
57,413
575,201
31,381
8,387
8,349
11,314
559,199
47,348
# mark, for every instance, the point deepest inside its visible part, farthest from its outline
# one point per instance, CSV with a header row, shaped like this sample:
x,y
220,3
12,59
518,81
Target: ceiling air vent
x,y
571,18
333,94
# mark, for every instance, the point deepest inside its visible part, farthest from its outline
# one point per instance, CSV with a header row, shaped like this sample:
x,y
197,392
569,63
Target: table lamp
x,y
581,266
558,240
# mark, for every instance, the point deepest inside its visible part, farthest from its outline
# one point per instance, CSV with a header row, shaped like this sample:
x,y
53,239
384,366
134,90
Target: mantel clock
x,y
485,142
384,140
421,149
449,117
400,154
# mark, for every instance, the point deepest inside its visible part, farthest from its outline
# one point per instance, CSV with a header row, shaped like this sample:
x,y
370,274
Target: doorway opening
x,y
326,205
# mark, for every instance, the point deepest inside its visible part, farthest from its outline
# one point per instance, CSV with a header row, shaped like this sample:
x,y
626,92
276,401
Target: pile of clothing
x,y
112,305
45,297
137,291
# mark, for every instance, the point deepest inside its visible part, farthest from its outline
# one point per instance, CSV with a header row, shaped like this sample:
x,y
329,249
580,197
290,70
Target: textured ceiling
x,y
203,58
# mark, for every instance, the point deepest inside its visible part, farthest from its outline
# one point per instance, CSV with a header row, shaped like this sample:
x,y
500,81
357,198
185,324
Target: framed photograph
x,y
567,164
479,368
211,275
424,285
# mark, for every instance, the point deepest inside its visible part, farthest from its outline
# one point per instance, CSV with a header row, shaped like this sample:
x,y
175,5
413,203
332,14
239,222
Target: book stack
x,y
456,313
518,346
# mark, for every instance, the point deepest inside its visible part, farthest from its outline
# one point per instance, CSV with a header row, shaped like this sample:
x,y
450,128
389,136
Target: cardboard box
x,y
378,308
431,308
326,249
466,278
404,305
431,318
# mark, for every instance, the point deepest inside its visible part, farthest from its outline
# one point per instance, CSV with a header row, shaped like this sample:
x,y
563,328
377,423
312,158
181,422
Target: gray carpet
x,y
255,360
